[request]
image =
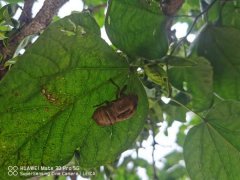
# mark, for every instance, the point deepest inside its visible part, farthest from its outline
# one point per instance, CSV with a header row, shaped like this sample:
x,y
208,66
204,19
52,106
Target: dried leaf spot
x,y
49,96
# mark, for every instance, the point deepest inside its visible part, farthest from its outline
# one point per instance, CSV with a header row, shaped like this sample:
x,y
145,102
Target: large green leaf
x,y
230,14
137,27
212,149
220,45
212,14
174,113
94,2
193,75
48,98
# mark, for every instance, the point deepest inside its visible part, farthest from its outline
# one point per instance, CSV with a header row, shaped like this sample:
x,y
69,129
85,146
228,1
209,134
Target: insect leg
x,y
114,84
119,91
122,90
112,121
111,116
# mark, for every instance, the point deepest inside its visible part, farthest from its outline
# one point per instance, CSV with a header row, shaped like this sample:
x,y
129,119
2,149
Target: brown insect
x,y
171,7
120,109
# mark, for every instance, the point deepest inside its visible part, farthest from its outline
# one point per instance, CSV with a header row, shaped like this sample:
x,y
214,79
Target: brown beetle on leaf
x,y
120,109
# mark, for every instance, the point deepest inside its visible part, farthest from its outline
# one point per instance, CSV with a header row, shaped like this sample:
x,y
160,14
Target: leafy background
x,y
48,96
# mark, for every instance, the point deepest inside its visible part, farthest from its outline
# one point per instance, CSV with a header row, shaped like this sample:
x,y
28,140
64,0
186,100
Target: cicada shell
x,y
170,7
116,111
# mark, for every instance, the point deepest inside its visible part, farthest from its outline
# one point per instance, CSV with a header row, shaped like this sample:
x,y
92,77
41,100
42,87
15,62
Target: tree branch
x,y
37,24
26,15
40,22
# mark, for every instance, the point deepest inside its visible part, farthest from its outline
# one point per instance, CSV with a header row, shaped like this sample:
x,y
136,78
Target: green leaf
x,y
137,27
4,28
172,168
2,36
155,111
122,173
220,45
189,7
174,113
48,98
189,4
214,12
181,135
193,75
230,14
100,16
181,97
173,158
14,1
156,73
211,149
7,12
94,2
97,7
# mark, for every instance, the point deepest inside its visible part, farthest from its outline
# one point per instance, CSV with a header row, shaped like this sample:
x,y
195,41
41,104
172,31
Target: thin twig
x,y
155,176
192,26
185,37
190,110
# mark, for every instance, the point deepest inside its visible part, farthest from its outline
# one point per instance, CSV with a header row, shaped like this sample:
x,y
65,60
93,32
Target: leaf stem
x,y
26,15
177,102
